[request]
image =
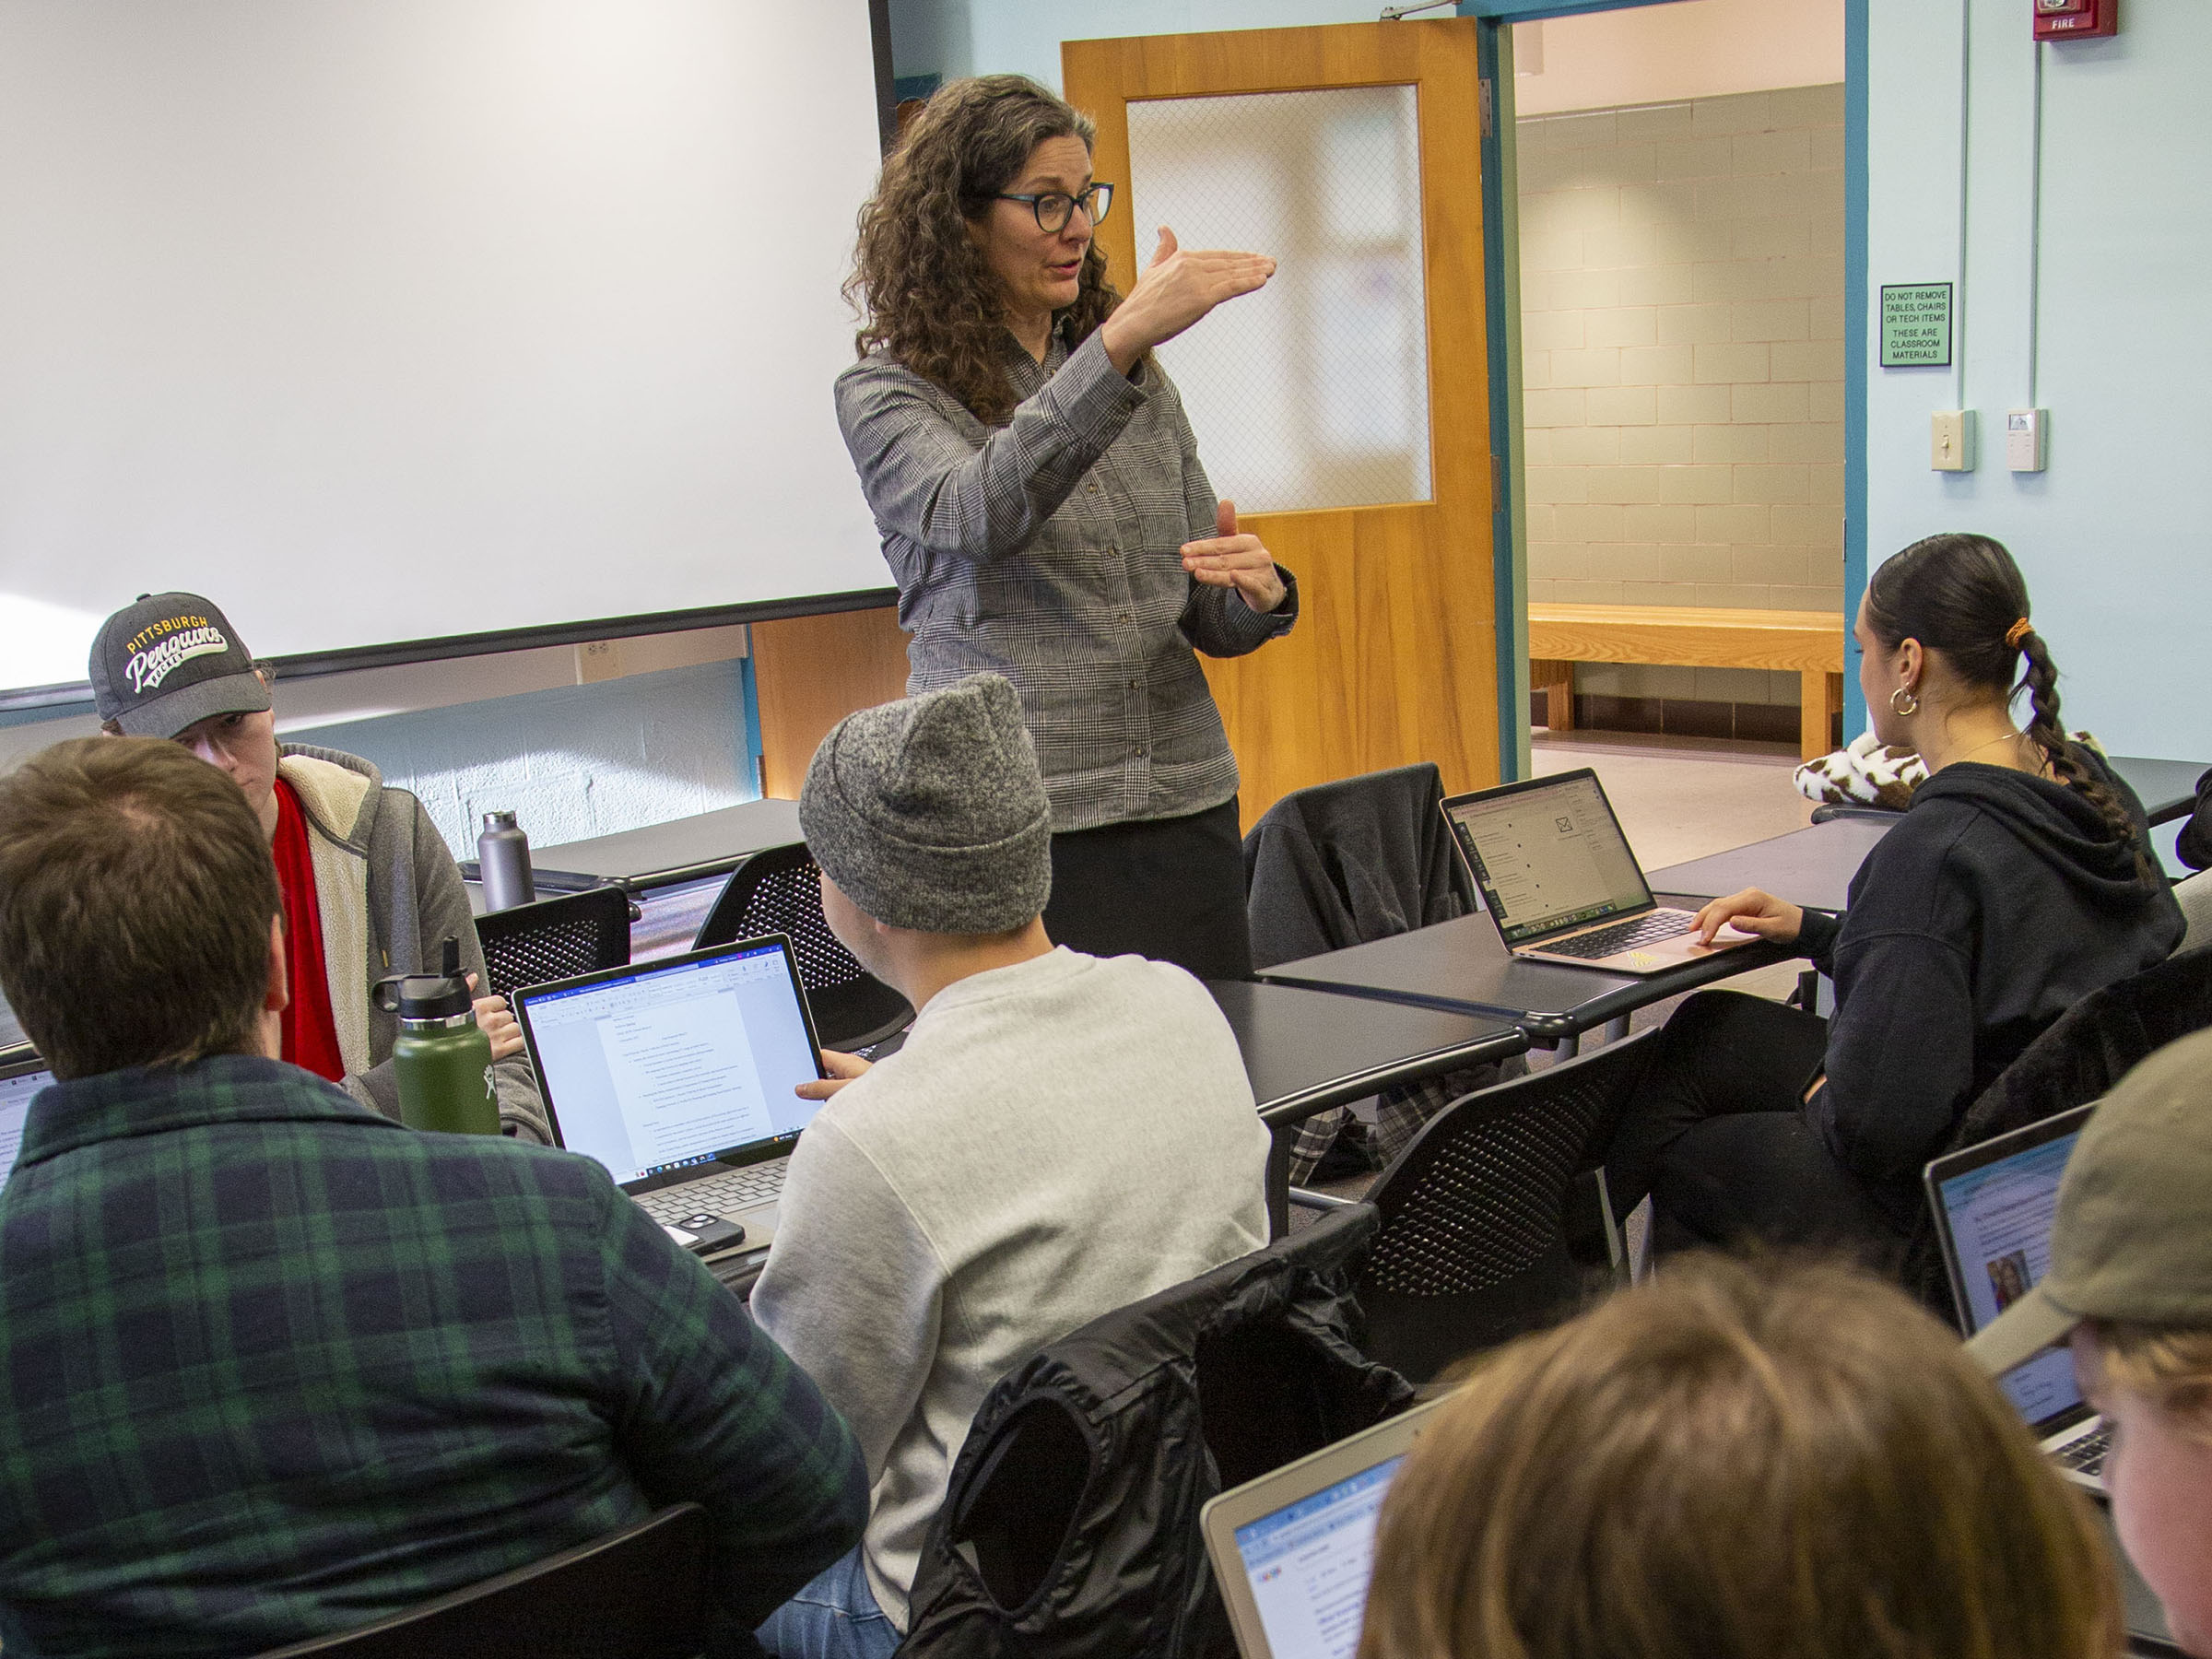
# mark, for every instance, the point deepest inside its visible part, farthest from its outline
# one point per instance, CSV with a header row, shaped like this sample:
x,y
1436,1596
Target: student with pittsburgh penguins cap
x,y
369,888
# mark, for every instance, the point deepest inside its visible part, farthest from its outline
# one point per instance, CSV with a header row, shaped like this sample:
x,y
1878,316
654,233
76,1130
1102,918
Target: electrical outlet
x,y
599,660
1951,441
2027,438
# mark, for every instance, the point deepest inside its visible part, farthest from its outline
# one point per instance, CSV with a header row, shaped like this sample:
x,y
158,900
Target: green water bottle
x,y
442,1058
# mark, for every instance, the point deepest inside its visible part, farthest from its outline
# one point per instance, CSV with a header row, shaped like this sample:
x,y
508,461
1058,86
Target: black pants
x,y
1169,889
1719,1136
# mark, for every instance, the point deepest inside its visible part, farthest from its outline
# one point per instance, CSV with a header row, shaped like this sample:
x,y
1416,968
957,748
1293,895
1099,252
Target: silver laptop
x,y
1993,1205
678,1075
22,1074
1293,1551
1560,883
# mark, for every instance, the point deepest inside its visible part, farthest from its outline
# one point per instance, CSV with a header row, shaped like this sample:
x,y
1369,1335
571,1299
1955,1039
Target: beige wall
x,y
1692,49
1682,331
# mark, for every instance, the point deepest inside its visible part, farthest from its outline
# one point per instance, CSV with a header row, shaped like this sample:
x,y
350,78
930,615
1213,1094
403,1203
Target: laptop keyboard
x,y
740,1189
2085,1454
1626,936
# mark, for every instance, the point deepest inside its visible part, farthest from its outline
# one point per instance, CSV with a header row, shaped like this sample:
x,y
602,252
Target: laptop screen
x,y
655,1068
1548,855
1997,1228
21,1076
1308,1562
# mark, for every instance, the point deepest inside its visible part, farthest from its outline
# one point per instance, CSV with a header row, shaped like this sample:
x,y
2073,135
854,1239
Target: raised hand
x,y
1228,559
1178,287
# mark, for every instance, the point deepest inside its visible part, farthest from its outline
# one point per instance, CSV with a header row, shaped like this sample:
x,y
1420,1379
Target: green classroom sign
x,y
1916,325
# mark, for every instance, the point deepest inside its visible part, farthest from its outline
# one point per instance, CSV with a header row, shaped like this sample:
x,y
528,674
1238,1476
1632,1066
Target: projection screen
x,y
384,323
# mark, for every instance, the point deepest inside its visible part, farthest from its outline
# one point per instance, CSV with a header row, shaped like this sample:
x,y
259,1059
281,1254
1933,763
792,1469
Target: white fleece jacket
x,y
1056,1139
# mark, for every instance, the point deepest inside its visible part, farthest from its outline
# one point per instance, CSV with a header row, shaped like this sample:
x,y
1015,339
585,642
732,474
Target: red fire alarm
x,y
2075,19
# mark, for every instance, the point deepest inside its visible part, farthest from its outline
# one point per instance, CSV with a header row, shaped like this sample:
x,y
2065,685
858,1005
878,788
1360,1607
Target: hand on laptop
x,y
498,1024
1751,912
842,1069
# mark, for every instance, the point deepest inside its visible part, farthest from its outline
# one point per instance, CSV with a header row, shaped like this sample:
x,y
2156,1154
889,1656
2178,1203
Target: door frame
x,y
1502,257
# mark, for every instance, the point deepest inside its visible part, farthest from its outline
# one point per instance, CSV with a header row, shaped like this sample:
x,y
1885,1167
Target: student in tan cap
x,y
2130,1287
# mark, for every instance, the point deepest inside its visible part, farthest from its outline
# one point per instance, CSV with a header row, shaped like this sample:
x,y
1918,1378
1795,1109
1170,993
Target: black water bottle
x,y
503,863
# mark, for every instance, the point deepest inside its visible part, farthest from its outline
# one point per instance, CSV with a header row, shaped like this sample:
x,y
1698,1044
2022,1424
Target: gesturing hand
x,y
1228,559
1178,287
842,1069
1754,912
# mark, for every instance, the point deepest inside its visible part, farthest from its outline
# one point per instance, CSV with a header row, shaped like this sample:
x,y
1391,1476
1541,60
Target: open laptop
x,y
1559,880
1293,1551
22,1074
1994,1205
677,1075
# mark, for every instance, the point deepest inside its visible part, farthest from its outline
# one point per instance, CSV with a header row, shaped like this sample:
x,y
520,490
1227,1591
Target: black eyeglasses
x,y
1055,209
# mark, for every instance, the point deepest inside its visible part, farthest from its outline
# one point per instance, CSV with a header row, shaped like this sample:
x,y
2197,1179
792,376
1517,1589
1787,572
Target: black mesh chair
x,y
780,891
555,938
636,1593
1494,1220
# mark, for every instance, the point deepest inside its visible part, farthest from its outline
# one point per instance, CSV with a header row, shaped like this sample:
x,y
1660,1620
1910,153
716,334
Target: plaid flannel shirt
x,y
1048,550
275,1366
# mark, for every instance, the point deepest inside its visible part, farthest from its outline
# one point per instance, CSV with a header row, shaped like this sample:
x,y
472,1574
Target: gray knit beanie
x,y
930,812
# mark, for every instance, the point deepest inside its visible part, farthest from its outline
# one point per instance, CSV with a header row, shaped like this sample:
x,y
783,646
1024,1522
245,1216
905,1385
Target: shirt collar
x,y
153,1099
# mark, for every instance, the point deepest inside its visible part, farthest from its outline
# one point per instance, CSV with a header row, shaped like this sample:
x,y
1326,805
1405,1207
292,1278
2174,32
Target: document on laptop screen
x,y
667,1066
2000,1219
1308,1564
15,1105
1548,858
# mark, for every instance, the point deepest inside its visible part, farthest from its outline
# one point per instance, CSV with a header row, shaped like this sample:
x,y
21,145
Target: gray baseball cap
x,y
169,661
2132,1240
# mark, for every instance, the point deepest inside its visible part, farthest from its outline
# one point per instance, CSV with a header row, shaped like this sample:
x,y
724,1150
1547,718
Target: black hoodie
x,y
1999,902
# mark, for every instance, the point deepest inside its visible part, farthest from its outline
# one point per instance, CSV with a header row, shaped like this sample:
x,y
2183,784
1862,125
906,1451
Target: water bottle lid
x,y
498,820
427,995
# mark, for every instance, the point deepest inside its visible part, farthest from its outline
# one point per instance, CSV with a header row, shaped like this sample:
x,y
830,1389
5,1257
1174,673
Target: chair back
x,y
555,938
2194,894
2076,1059
636,1593
1474,1242
1070,1522
780,891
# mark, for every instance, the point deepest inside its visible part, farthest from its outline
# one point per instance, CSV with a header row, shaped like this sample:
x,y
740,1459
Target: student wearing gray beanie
x,y
1060,1136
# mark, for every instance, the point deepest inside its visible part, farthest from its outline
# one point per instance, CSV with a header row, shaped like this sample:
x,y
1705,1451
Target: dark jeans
x,y
1169,889
1719,1135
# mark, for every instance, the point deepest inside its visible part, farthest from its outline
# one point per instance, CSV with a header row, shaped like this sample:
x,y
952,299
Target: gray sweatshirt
x,y
389,893
1056,1139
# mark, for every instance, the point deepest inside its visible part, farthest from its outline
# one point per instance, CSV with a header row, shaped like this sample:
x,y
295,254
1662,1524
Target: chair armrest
x,y
1307,1198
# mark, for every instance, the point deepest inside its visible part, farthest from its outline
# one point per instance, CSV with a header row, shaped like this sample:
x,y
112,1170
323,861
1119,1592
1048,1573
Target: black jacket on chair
x,y
1070,1526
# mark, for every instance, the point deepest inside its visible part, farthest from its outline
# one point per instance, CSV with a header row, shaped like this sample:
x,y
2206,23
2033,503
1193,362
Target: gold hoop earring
x,y
1906,709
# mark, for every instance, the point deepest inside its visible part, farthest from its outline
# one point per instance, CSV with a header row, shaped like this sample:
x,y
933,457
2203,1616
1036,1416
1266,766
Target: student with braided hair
x,y
2019,881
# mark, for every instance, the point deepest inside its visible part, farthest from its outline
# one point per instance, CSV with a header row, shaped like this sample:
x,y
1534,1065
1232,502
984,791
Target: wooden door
x,y
1395,658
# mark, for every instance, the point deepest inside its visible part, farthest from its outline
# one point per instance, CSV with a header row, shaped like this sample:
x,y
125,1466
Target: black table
x,y
684,850
2166,788
1462,967
1308,1050
1812,866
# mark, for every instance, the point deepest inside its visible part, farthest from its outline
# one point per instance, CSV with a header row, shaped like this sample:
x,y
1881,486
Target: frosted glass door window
x,y
1312,393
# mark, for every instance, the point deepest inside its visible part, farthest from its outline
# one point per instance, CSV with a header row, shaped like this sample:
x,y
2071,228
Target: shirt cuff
x,y
1088,396
1816,937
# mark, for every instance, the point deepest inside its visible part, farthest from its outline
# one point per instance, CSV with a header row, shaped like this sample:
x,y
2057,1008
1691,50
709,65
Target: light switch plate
x,y
1951,441
2027,438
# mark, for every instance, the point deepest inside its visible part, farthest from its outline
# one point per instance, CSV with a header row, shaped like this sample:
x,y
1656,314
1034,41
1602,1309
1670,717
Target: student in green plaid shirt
x,y
272,1366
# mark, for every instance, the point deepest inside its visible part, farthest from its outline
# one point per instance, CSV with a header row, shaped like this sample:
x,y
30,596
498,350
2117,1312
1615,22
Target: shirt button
x,y
1138,751
1133,684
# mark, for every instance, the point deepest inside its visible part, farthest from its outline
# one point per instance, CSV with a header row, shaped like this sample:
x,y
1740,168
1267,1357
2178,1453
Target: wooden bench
x,y
1808,643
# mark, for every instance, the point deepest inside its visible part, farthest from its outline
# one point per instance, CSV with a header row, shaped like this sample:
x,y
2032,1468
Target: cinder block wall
x,y
1682,330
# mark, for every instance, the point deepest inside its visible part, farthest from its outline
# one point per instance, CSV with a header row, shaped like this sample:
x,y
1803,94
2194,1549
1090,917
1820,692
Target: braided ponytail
x,y
2039,678
1964,595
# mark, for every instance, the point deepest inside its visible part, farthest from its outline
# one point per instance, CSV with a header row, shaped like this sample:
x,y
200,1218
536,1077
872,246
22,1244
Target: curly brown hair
x,y
923,288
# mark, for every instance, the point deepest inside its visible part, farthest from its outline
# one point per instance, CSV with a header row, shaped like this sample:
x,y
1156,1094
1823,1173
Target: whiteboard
x,y
386,321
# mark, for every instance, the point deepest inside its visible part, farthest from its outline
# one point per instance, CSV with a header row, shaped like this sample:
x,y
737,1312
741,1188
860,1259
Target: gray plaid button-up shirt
x,y
1048,550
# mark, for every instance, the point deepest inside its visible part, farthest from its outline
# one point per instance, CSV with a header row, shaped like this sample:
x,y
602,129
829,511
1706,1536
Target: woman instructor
x,y
1044,512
